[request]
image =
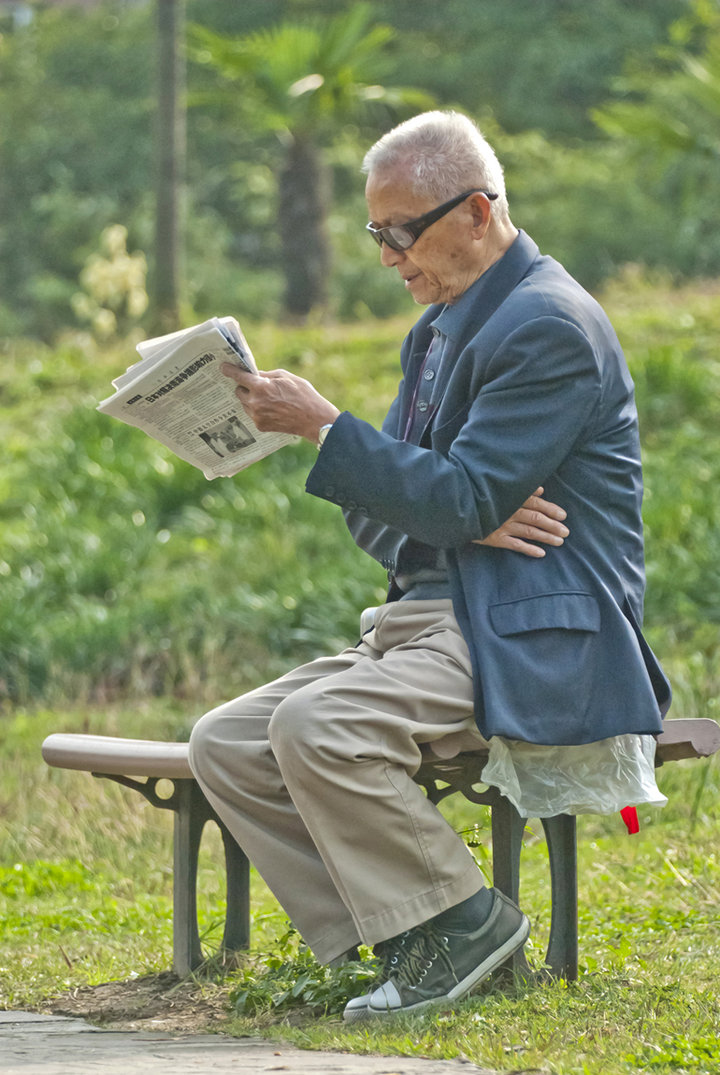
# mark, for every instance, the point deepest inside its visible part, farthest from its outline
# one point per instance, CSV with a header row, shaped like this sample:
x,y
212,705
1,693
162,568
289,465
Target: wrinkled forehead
x,y
391,196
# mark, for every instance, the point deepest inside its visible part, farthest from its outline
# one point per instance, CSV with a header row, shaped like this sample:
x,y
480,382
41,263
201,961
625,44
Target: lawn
x,y
85,898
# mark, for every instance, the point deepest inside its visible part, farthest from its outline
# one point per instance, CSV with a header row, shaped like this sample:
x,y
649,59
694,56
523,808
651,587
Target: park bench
x,y
144,764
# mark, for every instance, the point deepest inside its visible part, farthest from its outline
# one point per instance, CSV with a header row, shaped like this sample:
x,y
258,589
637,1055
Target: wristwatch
x,y
322,434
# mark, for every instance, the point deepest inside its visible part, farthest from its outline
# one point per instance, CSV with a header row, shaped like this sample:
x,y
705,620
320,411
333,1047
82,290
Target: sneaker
x,y
436,966
388,953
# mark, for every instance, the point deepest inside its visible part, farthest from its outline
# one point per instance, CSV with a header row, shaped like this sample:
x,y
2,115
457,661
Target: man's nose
x,y
390,257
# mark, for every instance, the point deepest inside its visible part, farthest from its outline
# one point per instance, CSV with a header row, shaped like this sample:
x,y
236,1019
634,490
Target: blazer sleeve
x,y
376,538
506,422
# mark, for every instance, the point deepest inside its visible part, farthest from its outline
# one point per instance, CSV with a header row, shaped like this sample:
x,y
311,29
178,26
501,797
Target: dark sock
x,y
467,916
346,957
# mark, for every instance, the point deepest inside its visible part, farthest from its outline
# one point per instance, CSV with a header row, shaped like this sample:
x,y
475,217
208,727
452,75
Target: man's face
x,y
443,262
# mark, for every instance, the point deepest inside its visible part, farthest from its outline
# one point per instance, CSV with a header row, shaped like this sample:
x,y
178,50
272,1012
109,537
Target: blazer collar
x,y
482,299
472,310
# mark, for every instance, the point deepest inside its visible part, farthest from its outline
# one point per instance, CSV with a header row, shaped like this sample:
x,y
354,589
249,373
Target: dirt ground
x,y
153,1002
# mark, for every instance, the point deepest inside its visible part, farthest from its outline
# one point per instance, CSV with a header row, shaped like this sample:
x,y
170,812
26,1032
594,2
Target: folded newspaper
x,y
177,394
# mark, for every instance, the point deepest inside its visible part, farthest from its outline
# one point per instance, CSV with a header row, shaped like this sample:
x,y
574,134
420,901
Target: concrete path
x,y
33,1044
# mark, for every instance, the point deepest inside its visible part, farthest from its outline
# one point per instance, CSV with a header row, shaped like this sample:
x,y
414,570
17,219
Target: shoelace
x,y
426,944
388,953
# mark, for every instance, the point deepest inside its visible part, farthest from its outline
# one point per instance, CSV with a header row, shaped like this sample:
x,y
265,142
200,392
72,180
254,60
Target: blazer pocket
x,y
569,611
445,427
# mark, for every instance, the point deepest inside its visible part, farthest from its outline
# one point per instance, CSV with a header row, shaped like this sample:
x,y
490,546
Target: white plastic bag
x,y
593,778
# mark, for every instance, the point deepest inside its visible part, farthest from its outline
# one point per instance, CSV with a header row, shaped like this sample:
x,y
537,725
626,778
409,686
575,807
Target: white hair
x,y
443,153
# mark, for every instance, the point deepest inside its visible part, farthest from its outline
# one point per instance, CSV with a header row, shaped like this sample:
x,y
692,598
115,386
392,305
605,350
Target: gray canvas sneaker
x,y
436,966
388,953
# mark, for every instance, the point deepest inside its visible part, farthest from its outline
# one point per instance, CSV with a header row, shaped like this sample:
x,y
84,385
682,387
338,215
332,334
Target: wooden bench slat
x,y
688,737
681,738
121,757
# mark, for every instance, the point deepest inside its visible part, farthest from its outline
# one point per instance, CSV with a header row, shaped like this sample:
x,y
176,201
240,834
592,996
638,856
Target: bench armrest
x,y
120,757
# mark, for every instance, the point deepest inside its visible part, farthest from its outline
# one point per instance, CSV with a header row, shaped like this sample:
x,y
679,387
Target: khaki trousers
x,y
313,773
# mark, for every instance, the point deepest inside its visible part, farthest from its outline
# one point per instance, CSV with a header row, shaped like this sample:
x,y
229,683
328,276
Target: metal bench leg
x,y
237,913
507,834
562,953
191,813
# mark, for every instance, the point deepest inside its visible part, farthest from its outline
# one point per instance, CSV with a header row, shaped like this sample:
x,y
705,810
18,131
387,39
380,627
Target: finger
x,y
235,373
536,503
526,523
545,536
548,531
272,375
518,545
530,550
507,542
540,521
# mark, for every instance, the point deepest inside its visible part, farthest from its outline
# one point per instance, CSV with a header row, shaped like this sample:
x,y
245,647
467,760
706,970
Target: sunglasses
x,y
402,236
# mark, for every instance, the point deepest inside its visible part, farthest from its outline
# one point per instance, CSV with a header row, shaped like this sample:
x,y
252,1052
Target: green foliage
x,y
306,78
575,202
76,137
665,117
76,146
537,65
126,574
290,977
680,1053
22,879
113,281
669,336
124,570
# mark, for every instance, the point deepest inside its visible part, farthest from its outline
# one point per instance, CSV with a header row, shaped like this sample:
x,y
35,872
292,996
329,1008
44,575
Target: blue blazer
x,y
535,391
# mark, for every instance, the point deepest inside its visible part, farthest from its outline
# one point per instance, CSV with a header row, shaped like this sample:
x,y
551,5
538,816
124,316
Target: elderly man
x,y
513,382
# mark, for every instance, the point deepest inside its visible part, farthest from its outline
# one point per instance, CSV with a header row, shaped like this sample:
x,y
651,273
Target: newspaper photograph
x,y
177,394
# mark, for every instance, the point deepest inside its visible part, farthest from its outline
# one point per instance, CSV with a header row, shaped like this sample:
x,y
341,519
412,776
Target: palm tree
x,y
303,82
170,151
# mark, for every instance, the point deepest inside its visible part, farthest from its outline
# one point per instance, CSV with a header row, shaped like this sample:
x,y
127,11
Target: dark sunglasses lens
x,y
398,238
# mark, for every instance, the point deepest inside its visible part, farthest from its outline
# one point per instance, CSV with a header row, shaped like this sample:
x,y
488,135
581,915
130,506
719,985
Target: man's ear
x,y
481,211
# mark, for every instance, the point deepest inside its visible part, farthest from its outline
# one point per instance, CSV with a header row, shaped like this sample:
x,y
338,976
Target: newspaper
x,y
177,394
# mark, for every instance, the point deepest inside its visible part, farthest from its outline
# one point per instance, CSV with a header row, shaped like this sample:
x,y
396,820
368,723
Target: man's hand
x,y
536,520
281,402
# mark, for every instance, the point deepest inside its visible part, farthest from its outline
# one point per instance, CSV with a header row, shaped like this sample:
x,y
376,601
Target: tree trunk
x,y
170,157
303,232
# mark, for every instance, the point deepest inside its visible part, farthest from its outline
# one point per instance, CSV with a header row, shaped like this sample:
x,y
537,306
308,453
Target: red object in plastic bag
x,y
629,816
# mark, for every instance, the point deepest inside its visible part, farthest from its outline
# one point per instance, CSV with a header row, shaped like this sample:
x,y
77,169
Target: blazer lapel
x,y
468,314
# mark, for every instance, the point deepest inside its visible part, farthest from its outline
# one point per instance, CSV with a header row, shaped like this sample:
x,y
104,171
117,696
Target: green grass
x,y
85,897
86,866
